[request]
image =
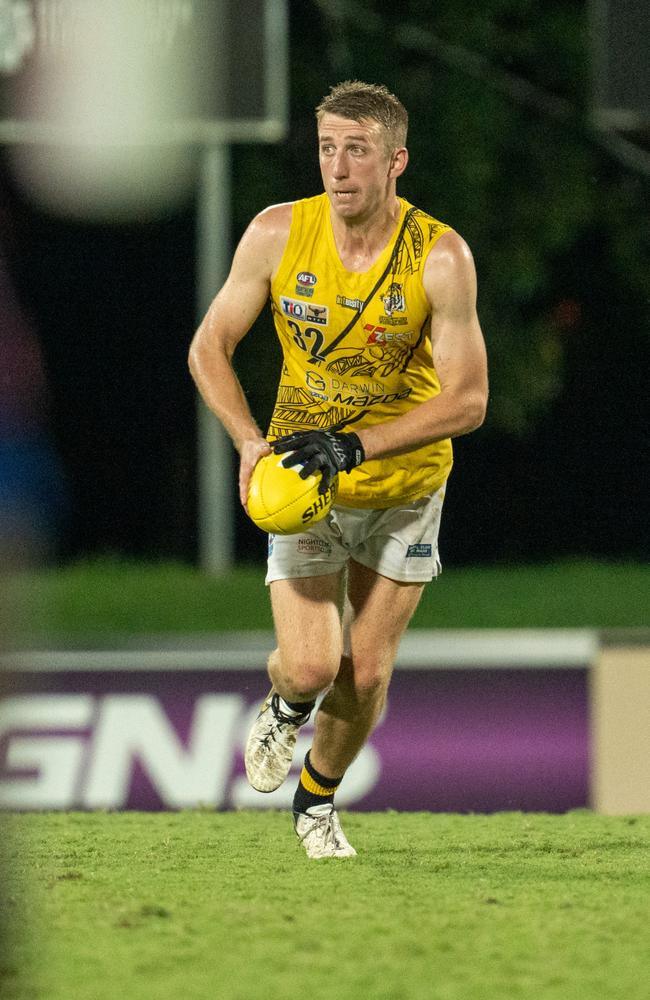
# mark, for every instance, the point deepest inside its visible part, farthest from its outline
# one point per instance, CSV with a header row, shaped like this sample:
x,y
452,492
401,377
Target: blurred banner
x,y
620,32
127,730
102,98
33,496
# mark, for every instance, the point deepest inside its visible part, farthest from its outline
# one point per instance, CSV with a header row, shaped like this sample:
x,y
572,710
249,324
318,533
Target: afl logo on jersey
x,y
306,278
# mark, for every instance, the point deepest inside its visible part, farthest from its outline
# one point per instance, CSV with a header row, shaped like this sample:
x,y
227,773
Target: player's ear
x,y
398,161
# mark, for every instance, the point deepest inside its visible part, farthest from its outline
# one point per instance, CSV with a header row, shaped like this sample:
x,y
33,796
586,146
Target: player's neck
x,y
361,241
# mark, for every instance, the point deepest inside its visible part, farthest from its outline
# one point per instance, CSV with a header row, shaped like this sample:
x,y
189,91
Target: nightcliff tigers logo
x,y
394,299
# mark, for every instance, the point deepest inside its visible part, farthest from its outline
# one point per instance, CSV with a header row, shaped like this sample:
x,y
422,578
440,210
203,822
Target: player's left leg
x,y
306,661
305,575
378,611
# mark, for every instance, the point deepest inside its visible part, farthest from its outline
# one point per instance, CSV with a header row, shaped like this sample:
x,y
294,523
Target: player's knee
x,y
312,678
307,676
371,686
368,678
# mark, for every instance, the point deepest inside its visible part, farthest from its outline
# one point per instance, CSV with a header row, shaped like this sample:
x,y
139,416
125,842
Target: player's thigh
x,y
306,614
377,612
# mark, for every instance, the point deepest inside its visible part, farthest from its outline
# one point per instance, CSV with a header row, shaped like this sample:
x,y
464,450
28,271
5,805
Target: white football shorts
x,y
400,543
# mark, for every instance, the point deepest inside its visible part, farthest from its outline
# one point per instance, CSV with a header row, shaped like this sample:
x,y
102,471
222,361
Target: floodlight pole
x,y
217,469
216,479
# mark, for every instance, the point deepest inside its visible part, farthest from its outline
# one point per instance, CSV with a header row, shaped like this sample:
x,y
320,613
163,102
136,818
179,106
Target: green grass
x,y
439,907
109,596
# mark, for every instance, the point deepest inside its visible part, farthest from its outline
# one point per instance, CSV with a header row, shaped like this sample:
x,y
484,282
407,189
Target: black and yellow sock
x,y
314,789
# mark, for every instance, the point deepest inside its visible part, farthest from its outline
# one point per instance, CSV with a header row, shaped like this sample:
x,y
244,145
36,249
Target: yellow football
x,y
282,503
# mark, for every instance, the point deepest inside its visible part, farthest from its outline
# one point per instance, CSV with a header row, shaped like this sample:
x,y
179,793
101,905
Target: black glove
x,y
328,452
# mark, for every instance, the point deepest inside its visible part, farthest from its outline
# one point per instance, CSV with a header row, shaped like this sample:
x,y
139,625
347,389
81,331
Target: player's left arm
x,y
459,357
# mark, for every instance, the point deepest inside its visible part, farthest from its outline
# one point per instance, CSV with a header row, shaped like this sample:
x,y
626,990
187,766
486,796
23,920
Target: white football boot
x,y
320,833
270,745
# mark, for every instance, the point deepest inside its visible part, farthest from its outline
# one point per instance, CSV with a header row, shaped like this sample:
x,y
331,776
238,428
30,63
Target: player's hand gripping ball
x,y
281,502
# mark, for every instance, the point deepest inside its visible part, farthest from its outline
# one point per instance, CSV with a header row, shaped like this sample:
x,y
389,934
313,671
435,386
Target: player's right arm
x,y
229,318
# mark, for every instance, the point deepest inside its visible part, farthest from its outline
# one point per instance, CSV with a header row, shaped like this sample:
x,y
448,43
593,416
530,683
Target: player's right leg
x,y
305,663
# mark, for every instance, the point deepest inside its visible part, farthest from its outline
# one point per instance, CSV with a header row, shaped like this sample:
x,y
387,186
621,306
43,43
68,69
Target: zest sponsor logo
x,y
82,751
373,332
380,335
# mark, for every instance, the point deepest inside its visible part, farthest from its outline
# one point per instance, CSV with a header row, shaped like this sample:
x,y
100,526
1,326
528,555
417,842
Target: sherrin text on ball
x,y
282,503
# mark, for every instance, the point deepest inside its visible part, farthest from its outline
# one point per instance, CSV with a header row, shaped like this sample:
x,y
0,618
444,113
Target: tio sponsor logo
x,y
79,751
293,308
304,310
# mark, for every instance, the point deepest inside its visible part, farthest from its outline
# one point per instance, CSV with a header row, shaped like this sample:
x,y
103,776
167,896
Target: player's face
x,y
355,166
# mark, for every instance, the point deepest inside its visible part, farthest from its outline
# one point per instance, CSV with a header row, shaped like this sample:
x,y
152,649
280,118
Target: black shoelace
x,y
282,719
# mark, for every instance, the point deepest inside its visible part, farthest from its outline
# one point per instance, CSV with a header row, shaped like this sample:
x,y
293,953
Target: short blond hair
x,y
368,102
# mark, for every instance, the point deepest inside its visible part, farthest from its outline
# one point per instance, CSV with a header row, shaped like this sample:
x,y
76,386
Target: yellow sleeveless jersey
x,y
357,347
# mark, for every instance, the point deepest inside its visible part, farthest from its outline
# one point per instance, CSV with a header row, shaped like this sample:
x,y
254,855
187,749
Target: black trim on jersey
x,y
389,267
348,420
415,346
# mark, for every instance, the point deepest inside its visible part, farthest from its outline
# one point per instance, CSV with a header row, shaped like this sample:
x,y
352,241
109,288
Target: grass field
x,y
443,907
111,596
225,906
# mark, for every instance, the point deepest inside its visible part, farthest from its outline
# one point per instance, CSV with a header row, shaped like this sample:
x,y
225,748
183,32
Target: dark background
x,y
501,148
